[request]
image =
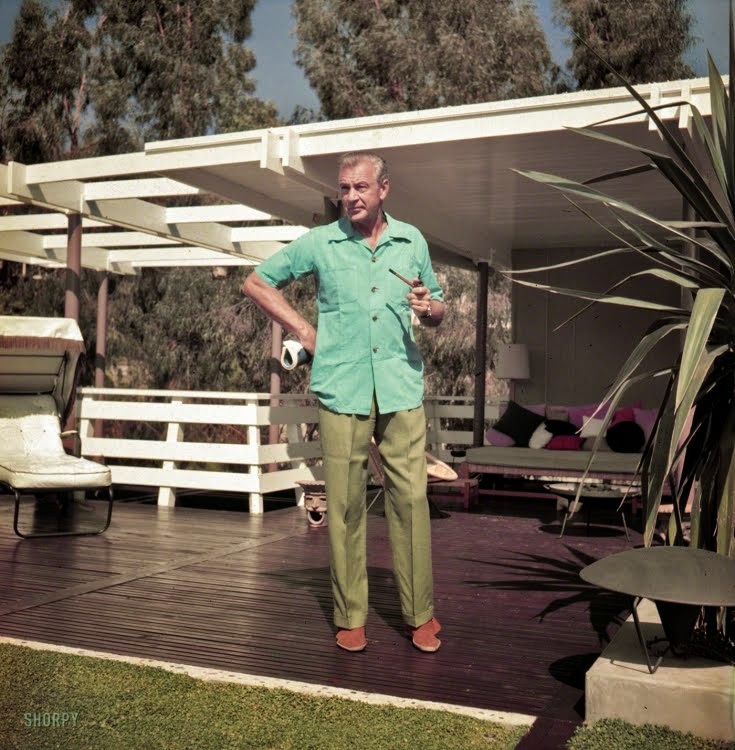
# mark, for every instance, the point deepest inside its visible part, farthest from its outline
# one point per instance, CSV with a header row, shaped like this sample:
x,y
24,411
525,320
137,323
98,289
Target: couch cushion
x,y
540,437
626,437
578,414
592,427
519,423
646,418
500,439
560,427
565,443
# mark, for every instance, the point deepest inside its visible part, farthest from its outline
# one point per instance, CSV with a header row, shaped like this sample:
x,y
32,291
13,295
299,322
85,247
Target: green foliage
x,y
45,89
643,40
449,351
699,257
395,55
613,734
102,76
120,705
177,69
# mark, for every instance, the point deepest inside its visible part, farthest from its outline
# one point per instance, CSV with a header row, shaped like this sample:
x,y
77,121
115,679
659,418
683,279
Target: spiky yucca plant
x,y
702,381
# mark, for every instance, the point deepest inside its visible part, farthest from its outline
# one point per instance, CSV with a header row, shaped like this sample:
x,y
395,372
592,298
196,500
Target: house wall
x,y
576,364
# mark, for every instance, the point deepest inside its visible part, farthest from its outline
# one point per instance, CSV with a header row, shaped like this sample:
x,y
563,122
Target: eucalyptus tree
x,y
395,55
643,40
177,68
102,76
45,82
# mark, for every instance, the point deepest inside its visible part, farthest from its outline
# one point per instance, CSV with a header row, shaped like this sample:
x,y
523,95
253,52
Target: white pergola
x,y
452,175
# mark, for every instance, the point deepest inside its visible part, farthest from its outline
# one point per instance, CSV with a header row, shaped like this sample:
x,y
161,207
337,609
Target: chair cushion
x,y
32,456
52,472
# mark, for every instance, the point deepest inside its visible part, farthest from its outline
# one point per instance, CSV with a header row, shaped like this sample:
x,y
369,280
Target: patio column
x,y
73,266
100,359
480,355
274,430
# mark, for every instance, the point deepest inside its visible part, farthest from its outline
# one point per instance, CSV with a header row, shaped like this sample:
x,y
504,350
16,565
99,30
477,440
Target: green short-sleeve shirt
x,y
365,342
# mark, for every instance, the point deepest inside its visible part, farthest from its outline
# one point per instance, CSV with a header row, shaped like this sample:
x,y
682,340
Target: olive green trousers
x,y
401,440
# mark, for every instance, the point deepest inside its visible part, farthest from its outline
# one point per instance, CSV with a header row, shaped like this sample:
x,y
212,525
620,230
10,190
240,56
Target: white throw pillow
x,y
592,427
540,437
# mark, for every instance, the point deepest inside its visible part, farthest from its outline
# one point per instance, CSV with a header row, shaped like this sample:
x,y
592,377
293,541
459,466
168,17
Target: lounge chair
x,y
39,367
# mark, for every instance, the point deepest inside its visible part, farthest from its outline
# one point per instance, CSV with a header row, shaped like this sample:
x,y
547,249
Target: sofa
x,y
554,443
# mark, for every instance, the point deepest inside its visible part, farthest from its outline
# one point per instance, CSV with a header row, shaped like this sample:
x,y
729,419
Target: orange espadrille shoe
x,y
424,636
351,639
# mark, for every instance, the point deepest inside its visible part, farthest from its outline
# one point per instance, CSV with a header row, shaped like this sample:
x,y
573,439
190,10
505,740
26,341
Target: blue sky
x,y
281,81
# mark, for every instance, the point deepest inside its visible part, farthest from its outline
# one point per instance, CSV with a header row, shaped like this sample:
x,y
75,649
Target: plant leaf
x,y
564,264
599,297
704,312
638,169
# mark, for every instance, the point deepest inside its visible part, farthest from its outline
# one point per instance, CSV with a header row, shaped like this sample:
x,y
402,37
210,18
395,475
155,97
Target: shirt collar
x,y
343,230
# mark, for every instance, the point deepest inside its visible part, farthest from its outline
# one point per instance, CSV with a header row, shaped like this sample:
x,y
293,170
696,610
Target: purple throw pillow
x,y
499,439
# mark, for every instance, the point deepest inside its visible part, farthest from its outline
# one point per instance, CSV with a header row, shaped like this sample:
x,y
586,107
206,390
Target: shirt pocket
x,y
337,287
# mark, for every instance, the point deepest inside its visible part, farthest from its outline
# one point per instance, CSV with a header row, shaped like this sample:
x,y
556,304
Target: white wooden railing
x,y
245,464
449,422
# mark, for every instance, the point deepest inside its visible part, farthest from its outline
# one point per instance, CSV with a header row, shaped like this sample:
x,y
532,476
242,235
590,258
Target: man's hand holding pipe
x,y
429,312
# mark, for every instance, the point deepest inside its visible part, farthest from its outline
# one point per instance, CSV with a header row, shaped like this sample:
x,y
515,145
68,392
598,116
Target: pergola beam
x,y
131,213
151,187
229,212
44,221
248,196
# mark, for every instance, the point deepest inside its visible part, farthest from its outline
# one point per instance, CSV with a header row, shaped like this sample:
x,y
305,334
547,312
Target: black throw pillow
x,y
518,423
560,427
626,437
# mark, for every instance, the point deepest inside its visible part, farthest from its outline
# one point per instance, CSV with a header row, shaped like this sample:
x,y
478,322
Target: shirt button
x,y
374,289
375,317
375,349
374,259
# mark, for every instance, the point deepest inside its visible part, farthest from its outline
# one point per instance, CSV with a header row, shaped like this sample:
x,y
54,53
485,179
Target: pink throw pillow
x,y
646,418
578,414
626,414
500,439
565,443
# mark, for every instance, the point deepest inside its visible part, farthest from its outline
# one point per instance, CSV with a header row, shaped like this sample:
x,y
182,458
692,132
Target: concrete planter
x,y
687,694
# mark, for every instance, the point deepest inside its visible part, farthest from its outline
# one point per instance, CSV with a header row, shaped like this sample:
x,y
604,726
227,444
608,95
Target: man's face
x,y
361,194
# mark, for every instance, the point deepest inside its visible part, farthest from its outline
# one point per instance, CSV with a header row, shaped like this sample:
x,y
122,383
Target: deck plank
x,y
227,590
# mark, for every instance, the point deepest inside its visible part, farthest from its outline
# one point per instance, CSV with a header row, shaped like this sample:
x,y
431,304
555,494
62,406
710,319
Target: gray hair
x,y
352,158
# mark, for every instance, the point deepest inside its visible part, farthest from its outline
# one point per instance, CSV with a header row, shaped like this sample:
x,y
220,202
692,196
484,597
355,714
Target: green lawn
x,y
617,735
109,704
68,702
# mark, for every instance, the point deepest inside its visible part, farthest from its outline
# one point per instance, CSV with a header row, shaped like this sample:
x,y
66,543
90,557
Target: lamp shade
x,y
512,362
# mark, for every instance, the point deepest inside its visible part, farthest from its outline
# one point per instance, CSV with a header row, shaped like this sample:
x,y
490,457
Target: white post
x,y
174,433
431,405
255,501
295,434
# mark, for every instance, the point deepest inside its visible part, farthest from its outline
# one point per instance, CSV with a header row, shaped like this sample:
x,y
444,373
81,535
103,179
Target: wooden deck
x,y
244,593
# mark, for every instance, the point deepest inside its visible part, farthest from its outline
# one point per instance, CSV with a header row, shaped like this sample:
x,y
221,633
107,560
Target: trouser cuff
x,y
419,619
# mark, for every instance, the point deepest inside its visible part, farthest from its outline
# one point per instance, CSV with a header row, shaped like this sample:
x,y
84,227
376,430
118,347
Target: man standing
x,y
368,376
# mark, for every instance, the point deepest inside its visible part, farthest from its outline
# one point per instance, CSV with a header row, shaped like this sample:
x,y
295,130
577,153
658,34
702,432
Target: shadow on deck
x,y
251,594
